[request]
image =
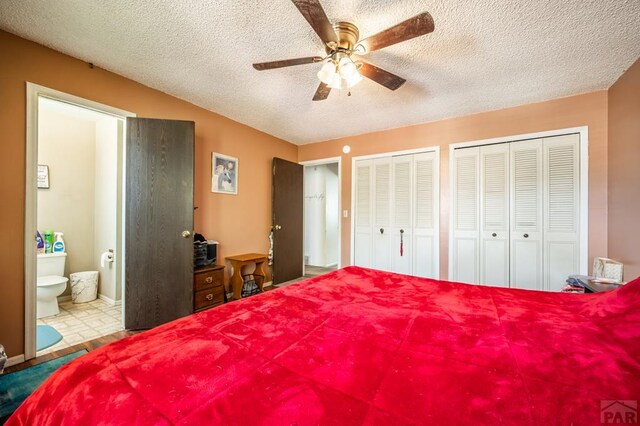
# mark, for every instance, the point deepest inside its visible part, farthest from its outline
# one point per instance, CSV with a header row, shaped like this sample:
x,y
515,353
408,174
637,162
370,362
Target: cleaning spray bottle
x,y
58,246
39,243
48,241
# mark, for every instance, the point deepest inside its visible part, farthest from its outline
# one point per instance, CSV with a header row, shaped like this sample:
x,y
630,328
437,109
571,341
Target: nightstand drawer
x,y
208,279
208,298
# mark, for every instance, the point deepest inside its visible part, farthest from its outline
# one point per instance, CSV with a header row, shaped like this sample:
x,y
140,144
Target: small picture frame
x,y
43,176
224,174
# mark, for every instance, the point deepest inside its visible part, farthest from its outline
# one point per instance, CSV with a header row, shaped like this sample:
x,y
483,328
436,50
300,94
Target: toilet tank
x,y
51,264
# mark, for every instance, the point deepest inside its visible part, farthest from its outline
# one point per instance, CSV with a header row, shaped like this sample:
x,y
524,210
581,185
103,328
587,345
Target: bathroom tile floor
x,y
82,322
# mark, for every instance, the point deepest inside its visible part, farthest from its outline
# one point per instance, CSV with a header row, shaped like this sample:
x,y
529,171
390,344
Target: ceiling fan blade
x,y
322,93
314,14
413,27
380,76
286,63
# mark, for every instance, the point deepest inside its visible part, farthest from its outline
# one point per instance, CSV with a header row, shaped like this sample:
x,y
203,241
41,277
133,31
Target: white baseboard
x,y
109,300
14,360
102,297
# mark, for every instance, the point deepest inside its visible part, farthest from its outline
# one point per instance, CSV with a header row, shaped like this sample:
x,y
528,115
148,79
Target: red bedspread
x,y
363,347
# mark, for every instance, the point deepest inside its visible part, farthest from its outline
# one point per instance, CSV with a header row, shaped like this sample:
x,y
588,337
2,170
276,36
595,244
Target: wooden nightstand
x,y
208,287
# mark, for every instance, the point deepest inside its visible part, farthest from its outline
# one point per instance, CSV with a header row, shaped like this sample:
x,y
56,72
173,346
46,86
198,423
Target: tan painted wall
x,y
583,110
67,144
624,171
241,223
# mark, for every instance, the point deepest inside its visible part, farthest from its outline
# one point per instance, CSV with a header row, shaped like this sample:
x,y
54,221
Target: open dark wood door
x,y
288,196
158,222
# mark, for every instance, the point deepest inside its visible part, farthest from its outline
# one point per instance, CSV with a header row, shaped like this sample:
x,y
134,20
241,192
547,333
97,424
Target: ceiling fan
x,y
342,42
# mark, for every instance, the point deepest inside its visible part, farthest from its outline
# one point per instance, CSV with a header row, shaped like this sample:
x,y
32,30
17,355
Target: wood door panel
x,y
288,228
159,207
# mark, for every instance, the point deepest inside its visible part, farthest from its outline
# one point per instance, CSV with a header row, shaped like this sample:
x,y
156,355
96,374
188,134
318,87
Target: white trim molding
x,y
33,92
319,162
583,131
14,360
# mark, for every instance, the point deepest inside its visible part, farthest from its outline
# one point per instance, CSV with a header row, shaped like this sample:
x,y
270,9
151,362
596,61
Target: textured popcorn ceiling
x,y
484,55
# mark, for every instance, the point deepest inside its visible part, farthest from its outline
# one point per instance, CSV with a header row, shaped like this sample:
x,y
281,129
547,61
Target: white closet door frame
x,y
319,162
436,195
583,131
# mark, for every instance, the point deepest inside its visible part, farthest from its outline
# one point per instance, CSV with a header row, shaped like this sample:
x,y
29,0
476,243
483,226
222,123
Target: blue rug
x,y
46,336
16,387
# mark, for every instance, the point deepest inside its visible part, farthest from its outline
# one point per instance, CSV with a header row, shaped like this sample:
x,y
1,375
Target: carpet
x,y
16,387
46,336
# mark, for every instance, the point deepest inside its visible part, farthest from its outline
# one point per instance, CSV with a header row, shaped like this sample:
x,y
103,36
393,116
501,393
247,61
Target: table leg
x,y
236,280
260,271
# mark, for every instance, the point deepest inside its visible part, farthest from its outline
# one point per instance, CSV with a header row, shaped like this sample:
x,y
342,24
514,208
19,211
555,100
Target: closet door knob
x,y
526,235
494,235
186,234
381,230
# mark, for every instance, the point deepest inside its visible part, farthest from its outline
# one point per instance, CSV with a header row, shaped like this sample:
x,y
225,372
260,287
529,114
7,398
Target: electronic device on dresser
x,y
205,252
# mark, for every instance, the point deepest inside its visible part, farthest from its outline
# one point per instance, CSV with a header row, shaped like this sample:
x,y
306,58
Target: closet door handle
x,y
381,231
526,235
494,235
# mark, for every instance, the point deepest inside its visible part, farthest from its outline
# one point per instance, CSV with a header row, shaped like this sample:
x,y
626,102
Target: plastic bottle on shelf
x,y
39,243
48,241
58,246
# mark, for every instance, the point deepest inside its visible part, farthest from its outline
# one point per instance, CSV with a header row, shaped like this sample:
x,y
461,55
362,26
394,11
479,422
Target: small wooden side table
x,y
240,260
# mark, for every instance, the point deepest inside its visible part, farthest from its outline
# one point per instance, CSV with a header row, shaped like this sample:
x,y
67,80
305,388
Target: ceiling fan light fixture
x,y
353,79
347,68
337,82
327,73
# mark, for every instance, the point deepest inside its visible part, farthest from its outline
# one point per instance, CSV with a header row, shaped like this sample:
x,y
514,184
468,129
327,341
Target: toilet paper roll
x,y
107,256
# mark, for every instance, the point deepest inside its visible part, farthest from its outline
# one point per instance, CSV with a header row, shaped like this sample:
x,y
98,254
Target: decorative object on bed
x,y
608,269
224,174
359,346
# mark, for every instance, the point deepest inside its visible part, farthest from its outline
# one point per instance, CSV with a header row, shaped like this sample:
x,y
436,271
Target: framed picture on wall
x,y
224,174
43,176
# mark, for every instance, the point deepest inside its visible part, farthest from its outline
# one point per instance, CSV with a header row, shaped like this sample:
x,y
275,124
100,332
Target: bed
x,y
359,346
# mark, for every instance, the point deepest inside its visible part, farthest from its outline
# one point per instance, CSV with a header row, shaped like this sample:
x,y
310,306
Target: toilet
x,y
51,283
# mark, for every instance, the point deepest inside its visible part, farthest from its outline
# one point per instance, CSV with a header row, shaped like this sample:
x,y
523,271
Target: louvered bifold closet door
x,y
363,217
561,209
494,215
425,234
401,229
526,214
465,249
381,233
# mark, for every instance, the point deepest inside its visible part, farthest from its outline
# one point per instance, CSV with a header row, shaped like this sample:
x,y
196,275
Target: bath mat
x,y
46,336
16,387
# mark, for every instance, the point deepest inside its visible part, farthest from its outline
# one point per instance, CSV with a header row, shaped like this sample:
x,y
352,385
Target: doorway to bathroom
x,y
73,270
321,216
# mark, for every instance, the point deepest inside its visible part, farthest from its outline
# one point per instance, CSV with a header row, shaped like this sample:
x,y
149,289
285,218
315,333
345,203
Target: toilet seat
x,y
51,280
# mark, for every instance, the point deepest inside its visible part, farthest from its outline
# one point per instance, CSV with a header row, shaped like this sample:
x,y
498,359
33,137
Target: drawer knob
x,y
209,296
209,280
